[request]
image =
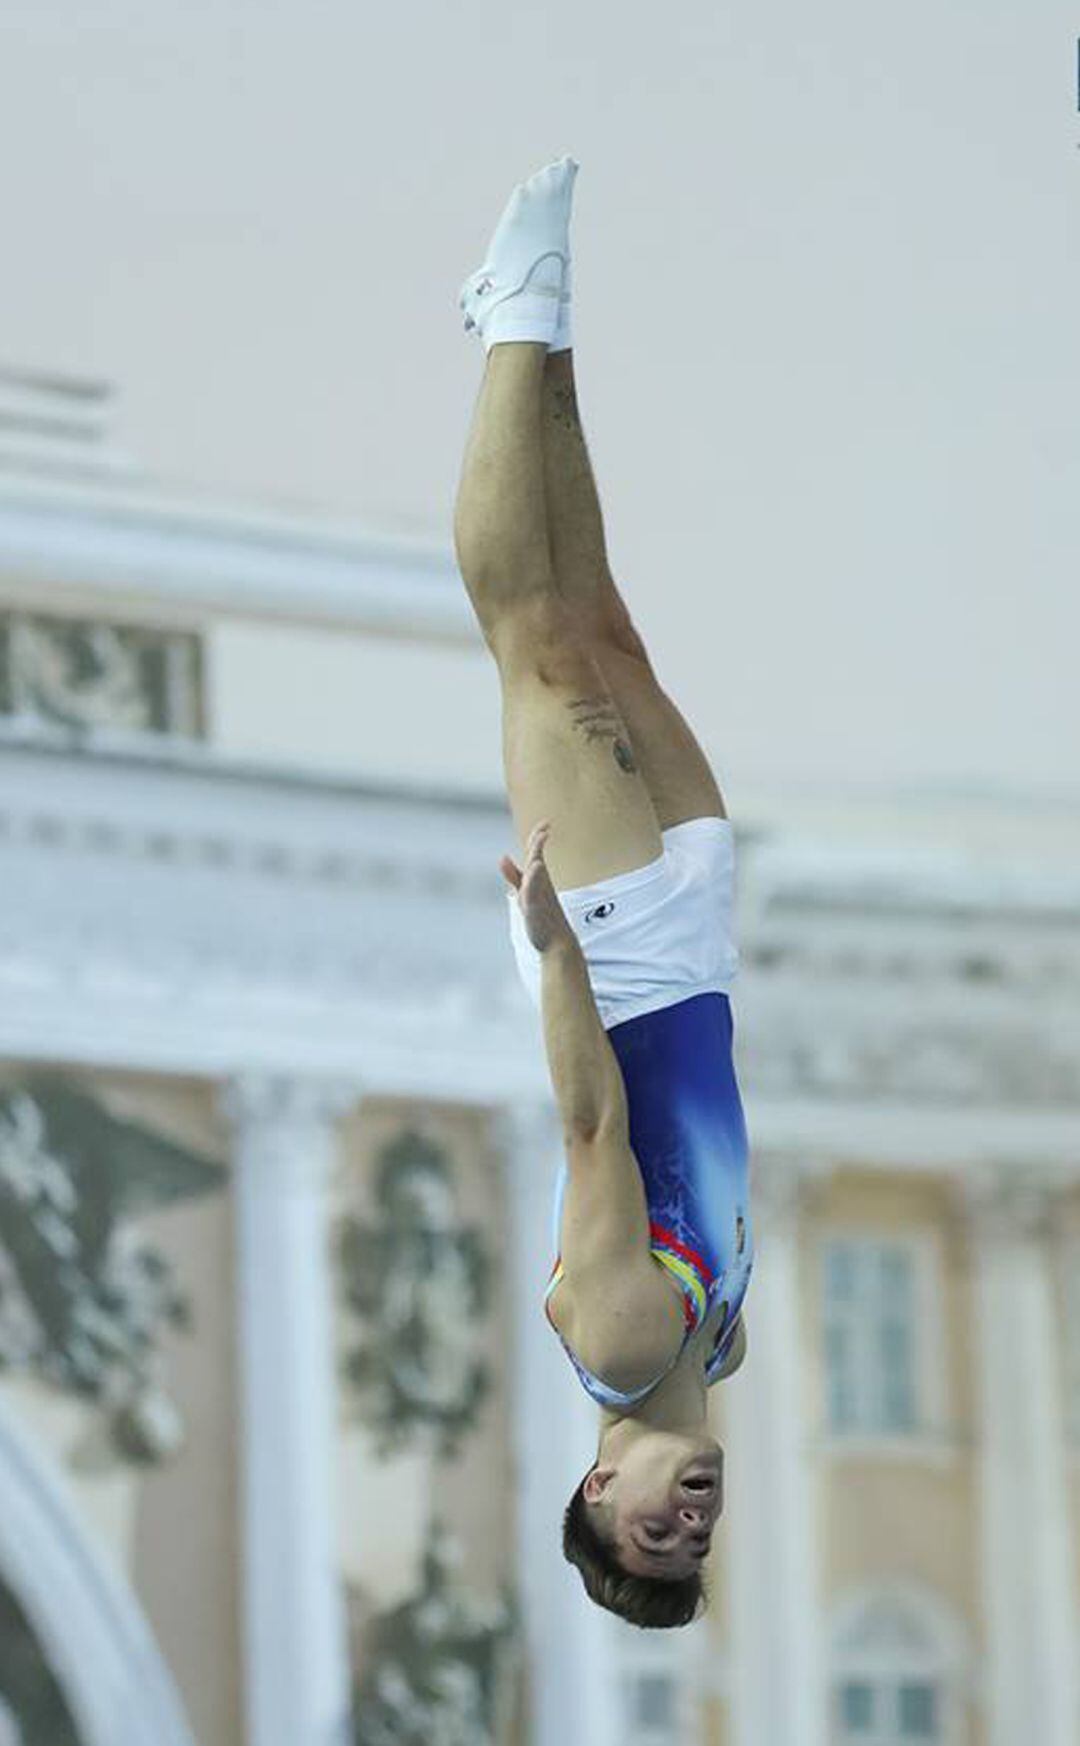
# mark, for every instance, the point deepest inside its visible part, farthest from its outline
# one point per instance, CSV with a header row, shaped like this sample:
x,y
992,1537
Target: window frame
x,y
933,1435
943,1659
892,1683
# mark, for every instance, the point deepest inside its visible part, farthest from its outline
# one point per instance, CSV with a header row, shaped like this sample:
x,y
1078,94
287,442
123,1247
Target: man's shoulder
x,y
623,1323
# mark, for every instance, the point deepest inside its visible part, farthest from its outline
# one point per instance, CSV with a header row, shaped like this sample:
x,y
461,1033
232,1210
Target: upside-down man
x,y
620,918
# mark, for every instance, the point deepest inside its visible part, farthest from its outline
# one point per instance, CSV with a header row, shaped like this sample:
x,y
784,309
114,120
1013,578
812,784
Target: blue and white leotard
x,y
688,1133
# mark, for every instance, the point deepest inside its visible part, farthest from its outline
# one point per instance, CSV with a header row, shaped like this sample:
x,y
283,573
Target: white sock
x,y
522,275
564,340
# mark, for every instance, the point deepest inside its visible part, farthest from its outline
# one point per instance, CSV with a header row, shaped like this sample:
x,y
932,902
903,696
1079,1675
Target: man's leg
x,y
568,754
674,767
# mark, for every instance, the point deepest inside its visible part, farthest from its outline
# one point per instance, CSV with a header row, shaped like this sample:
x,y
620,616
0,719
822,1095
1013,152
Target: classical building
x,y
284,1436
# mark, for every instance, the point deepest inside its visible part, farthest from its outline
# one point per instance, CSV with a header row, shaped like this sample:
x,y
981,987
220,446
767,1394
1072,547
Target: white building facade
x,y
281,962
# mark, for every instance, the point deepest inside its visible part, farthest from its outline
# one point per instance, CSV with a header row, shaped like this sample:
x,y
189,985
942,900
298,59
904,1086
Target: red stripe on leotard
x,y
697,1261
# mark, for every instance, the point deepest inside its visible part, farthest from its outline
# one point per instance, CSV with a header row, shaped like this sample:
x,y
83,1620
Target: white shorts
x,y
655,935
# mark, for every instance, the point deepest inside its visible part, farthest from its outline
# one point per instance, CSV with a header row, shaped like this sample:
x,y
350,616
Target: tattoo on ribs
x,y
598,719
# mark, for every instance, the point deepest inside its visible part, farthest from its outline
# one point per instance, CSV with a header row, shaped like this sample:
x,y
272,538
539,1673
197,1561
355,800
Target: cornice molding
x,y
828,1050
125,540
285,1104
191,807
212,917
798,874
891,976
215,919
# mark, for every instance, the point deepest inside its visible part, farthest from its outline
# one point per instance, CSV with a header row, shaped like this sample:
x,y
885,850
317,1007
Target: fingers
x,y
534,854
537,839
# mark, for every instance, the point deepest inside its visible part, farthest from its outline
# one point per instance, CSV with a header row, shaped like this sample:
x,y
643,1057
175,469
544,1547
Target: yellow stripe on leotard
x,y
686,1276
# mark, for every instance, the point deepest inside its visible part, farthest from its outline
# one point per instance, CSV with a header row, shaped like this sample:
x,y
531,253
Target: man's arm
x,y
604,1237
616,1309
585,1071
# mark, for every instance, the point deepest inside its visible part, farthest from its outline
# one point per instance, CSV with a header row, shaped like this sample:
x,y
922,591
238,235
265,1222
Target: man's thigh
x,y
676,771
674,768
568,754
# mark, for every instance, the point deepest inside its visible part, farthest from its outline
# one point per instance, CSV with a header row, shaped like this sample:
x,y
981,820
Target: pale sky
x,y
828,273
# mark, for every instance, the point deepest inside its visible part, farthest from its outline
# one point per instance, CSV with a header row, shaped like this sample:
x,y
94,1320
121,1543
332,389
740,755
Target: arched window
x,y
898,1670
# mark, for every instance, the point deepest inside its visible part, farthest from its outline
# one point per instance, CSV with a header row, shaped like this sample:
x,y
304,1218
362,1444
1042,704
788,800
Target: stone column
x,y
571,1645
1031,1651
771,1482
297,1674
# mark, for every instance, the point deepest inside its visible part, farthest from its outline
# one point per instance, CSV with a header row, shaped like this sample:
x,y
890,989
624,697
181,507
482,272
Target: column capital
x,y
781,1183
252,1098
1007,1200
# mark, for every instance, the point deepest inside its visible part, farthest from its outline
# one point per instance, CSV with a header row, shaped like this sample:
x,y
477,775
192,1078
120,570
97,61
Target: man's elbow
x,y
598,1122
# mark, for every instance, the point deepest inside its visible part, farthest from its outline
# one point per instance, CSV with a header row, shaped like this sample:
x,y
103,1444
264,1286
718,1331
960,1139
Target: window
x,y
899,1666
652,1710
887,1712
871,1320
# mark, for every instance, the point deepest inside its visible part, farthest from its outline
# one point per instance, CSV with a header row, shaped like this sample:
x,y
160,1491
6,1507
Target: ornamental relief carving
x,y
416,1282
84,1300
441,1669
931,964
959,1064
84,675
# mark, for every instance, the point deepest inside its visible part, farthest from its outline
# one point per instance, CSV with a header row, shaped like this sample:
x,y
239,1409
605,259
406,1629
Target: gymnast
x,y
620,917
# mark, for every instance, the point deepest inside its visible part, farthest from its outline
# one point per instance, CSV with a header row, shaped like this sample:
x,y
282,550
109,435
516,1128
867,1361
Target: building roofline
x,y
126,537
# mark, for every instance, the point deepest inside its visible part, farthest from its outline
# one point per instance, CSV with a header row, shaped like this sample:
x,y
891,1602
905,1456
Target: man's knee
x,y
539,633
606,624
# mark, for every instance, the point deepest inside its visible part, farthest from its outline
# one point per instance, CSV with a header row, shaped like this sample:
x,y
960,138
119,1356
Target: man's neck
x,y
678,1403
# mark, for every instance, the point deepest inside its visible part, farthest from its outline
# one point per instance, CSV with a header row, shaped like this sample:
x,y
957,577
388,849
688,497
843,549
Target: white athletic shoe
x,y
515,294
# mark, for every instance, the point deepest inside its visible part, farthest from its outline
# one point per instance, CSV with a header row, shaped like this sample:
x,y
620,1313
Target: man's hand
x,y
585,1071
545,921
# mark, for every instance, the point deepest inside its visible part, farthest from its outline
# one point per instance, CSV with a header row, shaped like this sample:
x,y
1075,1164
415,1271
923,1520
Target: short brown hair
x,y
652,1602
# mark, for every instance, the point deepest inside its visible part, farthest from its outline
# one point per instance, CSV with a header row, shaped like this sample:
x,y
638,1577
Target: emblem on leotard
x,y
600,913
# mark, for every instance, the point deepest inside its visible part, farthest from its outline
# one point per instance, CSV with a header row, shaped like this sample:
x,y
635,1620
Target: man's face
x,y
659,1505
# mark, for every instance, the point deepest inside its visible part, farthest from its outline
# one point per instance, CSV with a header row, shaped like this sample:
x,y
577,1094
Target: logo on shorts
x,y
600,912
